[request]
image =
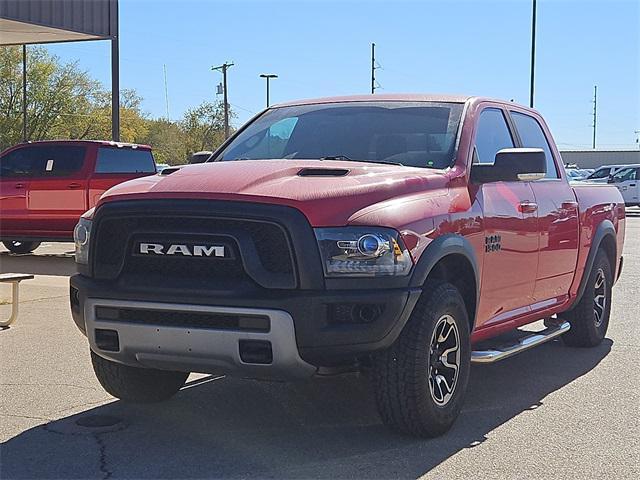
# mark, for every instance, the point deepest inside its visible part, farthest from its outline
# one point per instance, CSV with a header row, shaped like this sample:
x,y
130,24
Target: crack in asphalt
x,y
101,444
45,385
25,416
73,407
103,456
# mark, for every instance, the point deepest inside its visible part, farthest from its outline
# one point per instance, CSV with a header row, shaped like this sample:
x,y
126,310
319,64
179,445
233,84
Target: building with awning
x,y
25,22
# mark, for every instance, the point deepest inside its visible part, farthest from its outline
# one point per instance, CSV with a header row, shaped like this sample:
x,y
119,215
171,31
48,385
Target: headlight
x,y
362,252
82,237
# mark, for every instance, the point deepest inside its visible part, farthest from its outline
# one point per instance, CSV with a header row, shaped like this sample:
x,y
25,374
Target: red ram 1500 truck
x,y
46,186
402,234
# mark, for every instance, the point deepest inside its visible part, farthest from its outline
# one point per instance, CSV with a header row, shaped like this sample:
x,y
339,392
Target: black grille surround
x,y
272,246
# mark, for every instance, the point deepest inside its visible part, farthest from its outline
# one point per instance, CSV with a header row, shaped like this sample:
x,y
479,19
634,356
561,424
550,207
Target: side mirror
x,y
512,165
611,179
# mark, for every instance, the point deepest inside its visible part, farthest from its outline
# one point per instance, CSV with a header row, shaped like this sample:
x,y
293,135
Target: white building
x,y
597,158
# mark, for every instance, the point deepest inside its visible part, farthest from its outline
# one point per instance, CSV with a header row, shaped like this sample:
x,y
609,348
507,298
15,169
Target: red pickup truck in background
x,y
46,186
401,235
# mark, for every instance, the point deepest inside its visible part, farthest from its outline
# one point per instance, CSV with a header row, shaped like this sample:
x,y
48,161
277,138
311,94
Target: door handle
x,y
528,207
74,185
569,204
19,185
632,185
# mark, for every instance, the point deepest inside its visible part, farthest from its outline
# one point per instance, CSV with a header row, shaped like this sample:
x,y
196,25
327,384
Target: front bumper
x,y
197,349
309,329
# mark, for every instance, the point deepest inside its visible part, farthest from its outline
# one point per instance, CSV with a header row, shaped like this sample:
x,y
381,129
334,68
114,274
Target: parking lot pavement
x,y
552,412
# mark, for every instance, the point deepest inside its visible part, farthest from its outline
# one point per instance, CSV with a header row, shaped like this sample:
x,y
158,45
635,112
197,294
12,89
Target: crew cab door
x,y
510,229
15,173
58,190
626,180
557,215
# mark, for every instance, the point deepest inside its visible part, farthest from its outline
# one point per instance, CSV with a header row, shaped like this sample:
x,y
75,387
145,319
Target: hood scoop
x,y
323,172
170,170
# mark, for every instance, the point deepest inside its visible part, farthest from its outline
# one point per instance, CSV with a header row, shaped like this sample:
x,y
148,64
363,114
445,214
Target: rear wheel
x,y
137,385
17,246
420,382
589,319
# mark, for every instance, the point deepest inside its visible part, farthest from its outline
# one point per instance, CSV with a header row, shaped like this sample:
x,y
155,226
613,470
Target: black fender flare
x,y
449,244
604,229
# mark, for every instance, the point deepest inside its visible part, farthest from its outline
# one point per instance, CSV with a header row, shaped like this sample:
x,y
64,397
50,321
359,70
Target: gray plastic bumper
x,y
201,350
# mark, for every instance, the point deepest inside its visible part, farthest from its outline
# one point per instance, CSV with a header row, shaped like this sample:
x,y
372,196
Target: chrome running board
x,y
525,343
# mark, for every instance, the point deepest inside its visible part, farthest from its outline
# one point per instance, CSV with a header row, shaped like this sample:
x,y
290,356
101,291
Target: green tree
x,y
63,101
56,94
204,126
168,141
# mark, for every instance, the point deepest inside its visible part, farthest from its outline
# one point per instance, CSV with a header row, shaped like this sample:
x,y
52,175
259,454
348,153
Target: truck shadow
x,y
324,428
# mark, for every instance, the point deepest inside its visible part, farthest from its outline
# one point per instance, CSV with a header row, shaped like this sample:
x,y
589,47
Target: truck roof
x,y
108,143
389,97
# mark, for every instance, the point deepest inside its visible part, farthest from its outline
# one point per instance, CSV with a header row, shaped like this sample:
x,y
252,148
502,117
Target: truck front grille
x,y
261,250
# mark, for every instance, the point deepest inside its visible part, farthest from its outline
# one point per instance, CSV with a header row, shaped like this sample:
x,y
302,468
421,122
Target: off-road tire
x,y
585,330
136,385
401,374
16,246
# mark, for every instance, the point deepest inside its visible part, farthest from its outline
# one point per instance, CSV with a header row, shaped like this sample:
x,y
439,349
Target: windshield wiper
x,y
385,162
344,157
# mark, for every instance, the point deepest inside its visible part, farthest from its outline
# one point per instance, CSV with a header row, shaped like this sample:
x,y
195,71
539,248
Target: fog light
x,y
107,340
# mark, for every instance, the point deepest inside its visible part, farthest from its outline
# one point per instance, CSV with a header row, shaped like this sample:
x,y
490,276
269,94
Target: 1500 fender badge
x,y
492,243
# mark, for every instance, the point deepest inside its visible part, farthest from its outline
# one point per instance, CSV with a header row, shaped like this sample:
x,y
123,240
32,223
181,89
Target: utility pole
x,y
373,68
223,68
533,53
267,77
115,71
595,112
24,93
166,90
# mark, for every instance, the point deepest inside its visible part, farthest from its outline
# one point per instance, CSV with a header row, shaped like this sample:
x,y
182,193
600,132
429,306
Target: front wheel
x,y
136,385
16,246
420,382
589,319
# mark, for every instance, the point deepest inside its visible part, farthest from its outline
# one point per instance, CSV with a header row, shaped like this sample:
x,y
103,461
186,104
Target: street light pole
x,y
24,93
533,53
267,77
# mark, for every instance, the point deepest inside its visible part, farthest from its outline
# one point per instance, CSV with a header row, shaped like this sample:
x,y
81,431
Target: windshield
x,y
418,134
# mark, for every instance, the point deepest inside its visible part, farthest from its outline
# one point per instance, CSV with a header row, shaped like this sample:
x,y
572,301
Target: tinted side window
x,y
16,164
492,136
58,161
601,173
625,174
532,136
124,160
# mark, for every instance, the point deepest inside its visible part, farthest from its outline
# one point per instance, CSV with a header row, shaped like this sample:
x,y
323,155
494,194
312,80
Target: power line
x,y
223,68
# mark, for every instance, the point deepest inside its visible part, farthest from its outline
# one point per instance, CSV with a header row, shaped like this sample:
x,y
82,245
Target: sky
x,y
323,48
